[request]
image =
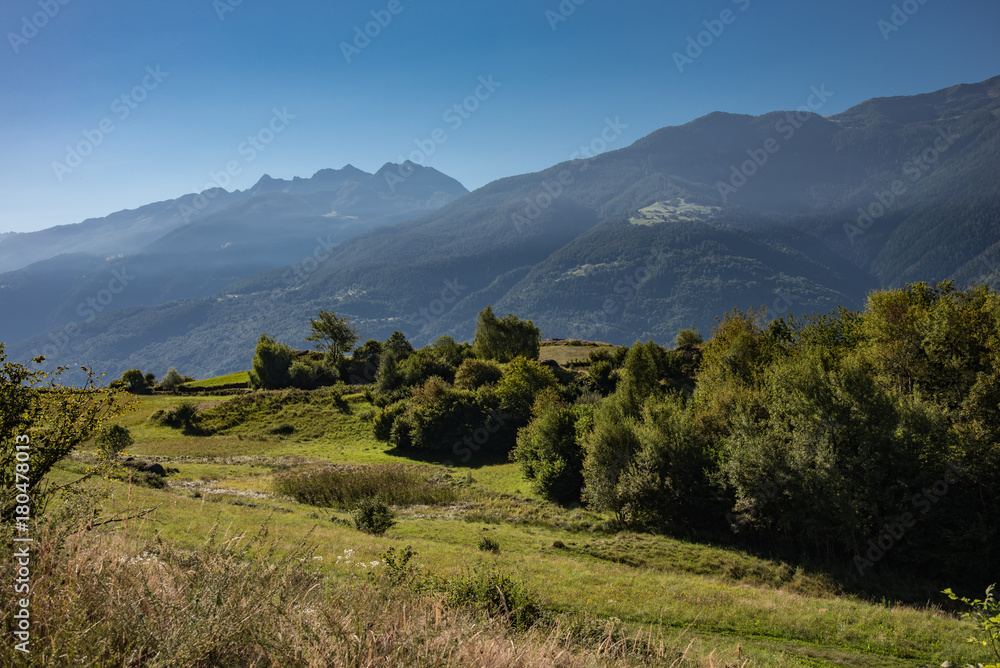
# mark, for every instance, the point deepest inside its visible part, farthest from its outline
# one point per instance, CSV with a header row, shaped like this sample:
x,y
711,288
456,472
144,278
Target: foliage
x,y
271,364
523,380
52,420
441,418
173,380
372,515
135,382
688,337
336,334
475,373
487,544
986,617
503,339
549,451
308,375
183,416
610,448
112,442
498,593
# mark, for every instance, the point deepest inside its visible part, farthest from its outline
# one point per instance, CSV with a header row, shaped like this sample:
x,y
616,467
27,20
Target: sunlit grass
x,y
719,598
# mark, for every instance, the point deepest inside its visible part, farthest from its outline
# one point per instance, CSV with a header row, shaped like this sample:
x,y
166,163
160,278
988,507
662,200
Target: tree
x,y
475,373
271,363
521,384
336,334
503,339
610,448
41,422
135,382
688,337
112,442
549,451
173,380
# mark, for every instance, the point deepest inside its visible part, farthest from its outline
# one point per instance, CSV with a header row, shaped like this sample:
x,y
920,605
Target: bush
x,y
384,420
487,544
112,441
475,373
523,380
183,416
503,339
498,593
688,337
57,418
173,380
271,363
550,454
601,374
439,417
373,516
135,382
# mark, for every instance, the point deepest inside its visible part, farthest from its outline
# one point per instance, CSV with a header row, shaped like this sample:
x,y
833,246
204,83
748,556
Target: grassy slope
x,y
231,379
718,599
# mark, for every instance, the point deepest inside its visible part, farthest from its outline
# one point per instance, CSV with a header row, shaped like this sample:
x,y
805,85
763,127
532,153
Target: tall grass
x,y
344,485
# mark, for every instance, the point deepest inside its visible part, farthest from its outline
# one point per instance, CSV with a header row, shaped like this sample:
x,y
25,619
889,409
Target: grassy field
x,y
720,606
240,377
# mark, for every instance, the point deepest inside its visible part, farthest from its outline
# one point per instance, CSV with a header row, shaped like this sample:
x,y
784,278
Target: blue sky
x,y
222,68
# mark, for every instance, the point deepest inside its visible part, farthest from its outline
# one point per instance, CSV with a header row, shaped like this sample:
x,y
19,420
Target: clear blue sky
x,y
557,86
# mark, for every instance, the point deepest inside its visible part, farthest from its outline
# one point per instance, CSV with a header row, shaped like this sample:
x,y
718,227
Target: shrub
x,y
271,363
475,373
498,593
440,417
303,375
183,416
385,418
601,374
135,382
550,454
503,339
687,337
173,380
523,380
487,544
373,516
112,441
57,418
986,616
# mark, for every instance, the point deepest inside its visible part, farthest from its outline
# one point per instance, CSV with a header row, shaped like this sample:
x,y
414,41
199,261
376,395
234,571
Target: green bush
x,y
183,416
172,380
688,337
373,516
986,616
475,373
112,442
271,364
135,382
550,453
498,593
487,544
503,339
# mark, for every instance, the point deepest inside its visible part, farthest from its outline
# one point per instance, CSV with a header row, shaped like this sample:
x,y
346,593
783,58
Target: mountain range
x,y
792,210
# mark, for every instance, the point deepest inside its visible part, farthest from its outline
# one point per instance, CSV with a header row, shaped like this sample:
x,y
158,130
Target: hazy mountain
x,y
727,210
272,224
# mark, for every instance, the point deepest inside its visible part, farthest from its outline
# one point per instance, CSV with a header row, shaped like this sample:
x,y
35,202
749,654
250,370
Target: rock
x,y
154,468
